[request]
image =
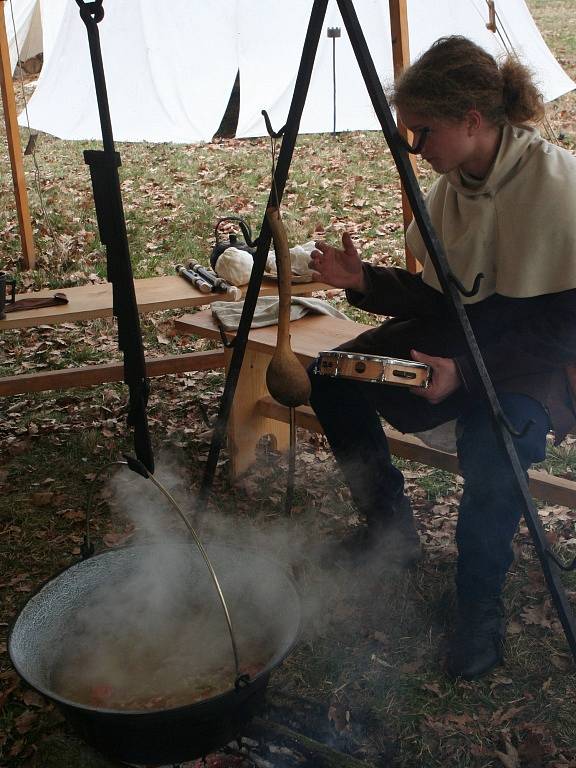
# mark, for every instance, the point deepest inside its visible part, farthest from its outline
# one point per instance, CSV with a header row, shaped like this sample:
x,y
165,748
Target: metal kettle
x,y
233,242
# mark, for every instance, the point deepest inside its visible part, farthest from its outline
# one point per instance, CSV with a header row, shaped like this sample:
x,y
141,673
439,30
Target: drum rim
x,y
365,356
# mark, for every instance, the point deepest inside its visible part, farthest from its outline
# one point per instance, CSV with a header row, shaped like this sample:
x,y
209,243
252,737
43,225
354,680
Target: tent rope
x,y
496,26
32,144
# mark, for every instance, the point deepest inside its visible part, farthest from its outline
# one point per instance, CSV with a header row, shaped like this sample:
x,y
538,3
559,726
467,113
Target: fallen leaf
x,y
5,695
563,663
532,751
25,721
382,638
537,615
16,748
339,717
433,688
33,699
504,715
42,498
112,539
510,758
500,680
411,666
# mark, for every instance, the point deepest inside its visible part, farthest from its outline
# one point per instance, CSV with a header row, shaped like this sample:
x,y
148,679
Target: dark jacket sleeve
x,y
396,292
522,337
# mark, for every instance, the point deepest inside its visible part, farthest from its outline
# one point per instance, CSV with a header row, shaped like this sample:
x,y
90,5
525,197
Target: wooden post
x,y
15,148
401,59
246,425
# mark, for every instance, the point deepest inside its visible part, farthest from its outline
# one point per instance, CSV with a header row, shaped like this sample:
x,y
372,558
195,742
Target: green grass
x,y
561,460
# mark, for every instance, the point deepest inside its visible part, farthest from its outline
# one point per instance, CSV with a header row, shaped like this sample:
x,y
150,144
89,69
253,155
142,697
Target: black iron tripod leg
x,y
291,129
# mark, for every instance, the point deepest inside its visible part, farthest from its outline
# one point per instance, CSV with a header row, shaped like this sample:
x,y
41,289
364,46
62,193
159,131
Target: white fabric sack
x,y
234,266
299,259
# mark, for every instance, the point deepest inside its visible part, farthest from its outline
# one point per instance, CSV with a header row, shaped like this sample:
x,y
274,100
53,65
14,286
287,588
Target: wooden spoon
x,y
287,380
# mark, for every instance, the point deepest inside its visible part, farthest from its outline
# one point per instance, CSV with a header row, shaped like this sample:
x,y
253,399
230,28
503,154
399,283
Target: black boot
x,y
390,536
476,646
403,533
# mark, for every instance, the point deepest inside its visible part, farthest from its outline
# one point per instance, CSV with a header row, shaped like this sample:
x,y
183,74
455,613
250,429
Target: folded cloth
x,y
228,313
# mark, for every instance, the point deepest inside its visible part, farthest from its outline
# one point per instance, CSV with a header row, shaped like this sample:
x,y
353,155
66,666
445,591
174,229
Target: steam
x,y
296,545
152,633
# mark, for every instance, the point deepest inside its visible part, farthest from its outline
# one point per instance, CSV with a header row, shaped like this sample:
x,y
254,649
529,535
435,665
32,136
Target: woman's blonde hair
x,y
456,75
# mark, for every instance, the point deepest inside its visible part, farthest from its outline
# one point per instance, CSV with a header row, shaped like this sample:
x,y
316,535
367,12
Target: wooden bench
x,y
255,414
88,302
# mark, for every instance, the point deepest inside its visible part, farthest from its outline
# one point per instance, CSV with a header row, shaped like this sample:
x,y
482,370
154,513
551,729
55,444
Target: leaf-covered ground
x,y
373,641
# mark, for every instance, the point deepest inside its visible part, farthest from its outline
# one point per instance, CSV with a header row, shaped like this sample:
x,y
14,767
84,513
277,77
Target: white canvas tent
x,y
170,66
28,23
31,26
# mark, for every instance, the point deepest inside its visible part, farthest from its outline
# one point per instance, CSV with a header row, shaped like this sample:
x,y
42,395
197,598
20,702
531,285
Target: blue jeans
x,y
491,506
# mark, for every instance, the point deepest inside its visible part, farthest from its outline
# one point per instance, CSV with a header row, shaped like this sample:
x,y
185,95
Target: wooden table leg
x,y
246,426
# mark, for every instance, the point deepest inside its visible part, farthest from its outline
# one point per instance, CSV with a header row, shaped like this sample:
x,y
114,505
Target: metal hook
x,y
92,11
228,344
502,419
271,132
475,287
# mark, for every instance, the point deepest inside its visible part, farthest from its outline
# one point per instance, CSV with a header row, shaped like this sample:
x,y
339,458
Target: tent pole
x,y
15,148
401,59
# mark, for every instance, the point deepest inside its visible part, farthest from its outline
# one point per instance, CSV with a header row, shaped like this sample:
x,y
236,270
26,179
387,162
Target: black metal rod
x,y
92,14
277,190
112,229
291,464
334,81
450,290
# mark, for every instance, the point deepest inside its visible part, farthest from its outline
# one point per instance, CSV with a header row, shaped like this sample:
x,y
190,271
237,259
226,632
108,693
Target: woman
x,y
504,206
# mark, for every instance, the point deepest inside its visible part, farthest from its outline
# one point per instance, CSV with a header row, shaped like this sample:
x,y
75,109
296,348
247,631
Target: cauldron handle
x,y
87,549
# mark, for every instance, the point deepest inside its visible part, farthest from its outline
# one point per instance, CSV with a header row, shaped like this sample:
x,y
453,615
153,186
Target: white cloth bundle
x,y
299,259
235,266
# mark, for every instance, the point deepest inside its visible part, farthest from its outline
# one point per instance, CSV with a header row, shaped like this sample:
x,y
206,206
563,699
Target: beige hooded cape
x,y
517,226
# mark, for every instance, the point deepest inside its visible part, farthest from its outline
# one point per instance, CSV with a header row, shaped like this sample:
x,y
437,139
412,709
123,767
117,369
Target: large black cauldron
x,y
259,595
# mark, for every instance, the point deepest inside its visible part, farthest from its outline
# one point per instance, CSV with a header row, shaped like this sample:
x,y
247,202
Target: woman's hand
x,y
340,268
445,377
